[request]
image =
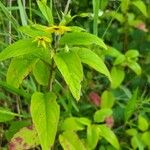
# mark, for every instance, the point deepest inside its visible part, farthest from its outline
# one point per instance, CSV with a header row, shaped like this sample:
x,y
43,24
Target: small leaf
x,y
109,135
93,60
108,99
41,72
92,136
131,106
70,141
69,65
46,11
131,132
141,6
19,68
117,75
71,124
81,38
6,115
142,123
119,60
25,138
132,53
45,114
135,67
145,138
101,114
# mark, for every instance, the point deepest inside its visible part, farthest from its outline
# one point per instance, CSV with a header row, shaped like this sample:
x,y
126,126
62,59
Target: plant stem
x,y
126,30
67,7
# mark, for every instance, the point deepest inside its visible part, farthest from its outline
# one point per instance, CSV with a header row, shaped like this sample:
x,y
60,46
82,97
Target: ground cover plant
x,y
74,75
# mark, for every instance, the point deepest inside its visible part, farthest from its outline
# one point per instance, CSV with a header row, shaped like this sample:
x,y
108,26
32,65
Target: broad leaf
x,y
70,141
41,72
81,38
6,115
145,138
93,60
109,135
25,138
117,75
70,67
45,114
101,114
19,68
19,48
92,136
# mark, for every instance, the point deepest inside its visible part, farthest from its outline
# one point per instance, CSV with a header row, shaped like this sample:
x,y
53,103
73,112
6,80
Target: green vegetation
x,y
74,75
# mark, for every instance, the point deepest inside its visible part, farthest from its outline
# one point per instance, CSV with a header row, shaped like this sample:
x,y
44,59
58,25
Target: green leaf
x,y
131,106
32,31
45,114
137,143
6,115
20,48
41,72
117,75
131,132
132,53
135,67
19,68
93,60
145,138
108,99
70,141
70,67
92,136
109,135
72,124
81,38
25,138
141,6
142,123
101,114
46,11
119,60
15,127
124,5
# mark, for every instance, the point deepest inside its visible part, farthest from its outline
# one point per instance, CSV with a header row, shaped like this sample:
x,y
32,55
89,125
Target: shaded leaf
x,y
41,72
19,68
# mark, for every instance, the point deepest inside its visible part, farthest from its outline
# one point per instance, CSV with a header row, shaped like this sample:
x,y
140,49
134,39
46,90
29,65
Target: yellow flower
x,y
42,40
58,30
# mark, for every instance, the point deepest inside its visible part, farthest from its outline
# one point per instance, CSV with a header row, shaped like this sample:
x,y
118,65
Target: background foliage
x,y
109,114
